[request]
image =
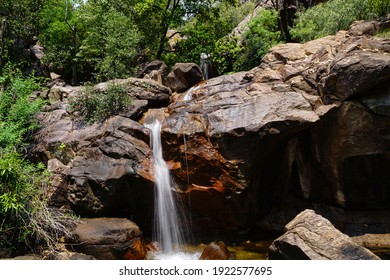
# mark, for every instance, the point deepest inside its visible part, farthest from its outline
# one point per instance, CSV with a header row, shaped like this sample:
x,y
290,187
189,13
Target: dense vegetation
x,y
98,40
26,220
329,17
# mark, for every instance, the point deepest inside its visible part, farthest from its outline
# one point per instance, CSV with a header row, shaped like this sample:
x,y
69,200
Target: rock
x,y
73,256
311,237
108,239
136,109
307,128
37,51
107,166
351,145
301,125
155,93
155,70
215,251
54,76
183,76
369,27
58,92
377,243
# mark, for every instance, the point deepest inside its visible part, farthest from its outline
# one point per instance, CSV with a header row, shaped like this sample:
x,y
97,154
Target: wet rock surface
x,y
311,237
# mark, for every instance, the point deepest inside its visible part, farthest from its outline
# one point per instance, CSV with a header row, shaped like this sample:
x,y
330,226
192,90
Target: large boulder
x,y
215,251
156,94
102,169
156,70
183,76
311,237
108,239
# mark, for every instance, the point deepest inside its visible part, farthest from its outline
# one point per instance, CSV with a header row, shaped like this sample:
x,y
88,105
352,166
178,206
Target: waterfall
x,y
167,224
204,67
188,94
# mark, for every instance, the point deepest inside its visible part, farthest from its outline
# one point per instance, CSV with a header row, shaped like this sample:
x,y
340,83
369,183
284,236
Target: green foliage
x,y
203,31
263,34
96,105
110,45
56,36
226,53
383,34
329,17
25,218
16,109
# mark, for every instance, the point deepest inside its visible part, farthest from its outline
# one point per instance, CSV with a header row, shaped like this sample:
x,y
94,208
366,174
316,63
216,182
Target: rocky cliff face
x,y
309,127
298,127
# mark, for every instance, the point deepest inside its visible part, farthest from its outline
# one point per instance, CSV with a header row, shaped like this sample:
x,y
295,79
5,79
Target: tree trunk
x,y
169,12
74,62
2,39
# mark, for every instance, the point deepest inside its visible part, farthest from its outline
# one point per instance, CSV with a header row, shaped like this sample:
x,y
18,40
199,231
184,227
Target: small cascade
x,y
188,94
167,224
206,66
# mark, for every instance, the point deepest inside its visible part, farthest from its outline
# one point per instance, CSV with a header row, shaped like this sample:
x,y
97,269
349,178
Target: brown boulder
x,y
311,237
106,168
155,70
108,239
183,76
215,251
142,89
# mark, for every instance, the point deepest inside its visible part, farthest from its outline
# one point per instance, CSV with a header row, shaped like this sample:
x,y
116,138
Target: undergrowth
x,y
97,105
26,220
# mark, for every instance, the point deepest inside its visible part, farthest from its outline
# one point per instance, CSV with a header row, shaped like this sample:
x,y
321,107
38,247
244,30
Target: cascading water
x,y
205,65
167,222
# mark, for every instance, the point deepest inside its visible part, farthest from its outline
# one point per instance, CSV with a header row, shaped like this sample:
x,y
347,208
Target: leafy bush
x,y
16,109
263,34
25,217
96,105
329,17
111,42
227,51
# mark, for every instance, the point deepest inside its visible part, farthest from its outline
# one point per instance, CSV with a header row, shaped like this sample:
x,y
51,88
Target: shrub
x,y
95,105
26,219
16,109
263,34
226,53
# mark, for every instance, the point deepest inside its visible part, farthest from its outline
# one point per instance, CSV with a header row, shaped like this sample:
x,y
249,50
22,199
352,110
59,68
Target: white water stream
x,y
168,226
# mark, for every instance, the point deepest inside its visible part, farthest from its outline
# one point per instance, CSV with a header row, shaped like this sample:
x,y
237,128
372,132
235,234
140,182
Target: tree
x,y
22,28
57,22
263,34
2,42
206,24
110,44
25,218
